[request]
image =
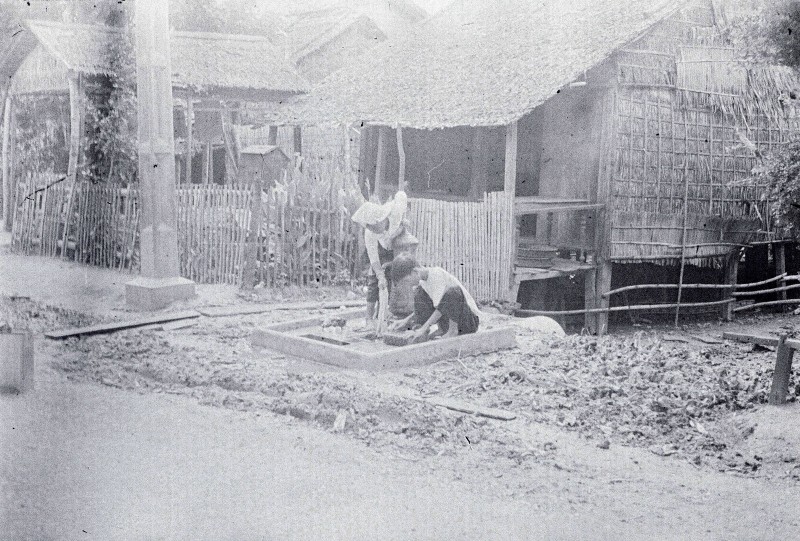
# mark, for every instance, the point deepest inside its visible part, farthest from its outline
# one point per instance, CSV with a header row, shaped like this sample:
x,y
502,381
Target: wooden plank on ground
x,y
222,311
472,409
121,325
759,339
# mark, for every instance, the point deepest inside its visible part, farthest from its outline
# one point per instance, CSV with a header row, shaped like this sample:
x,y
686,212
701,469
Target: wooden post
x,y
298,139
208,155
401,152
159,283
75,135
251,255
780,267
479,177
510,189
189,136
730,270
272,137
6,173
590,298
380,164
783,369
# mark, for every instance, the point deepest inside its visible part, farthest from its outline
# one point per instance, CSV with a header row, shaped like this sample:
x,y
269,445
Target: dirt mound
x,y
24,314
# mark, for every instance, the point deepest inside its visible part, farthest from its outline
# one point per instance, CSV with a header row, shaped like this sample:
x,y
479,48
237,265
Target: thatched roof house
x,y
221,65
607,131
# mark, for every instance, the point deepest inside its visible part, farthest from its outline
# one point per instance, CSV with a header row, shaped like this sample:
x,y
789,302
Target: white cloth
x,y
396,212
439,281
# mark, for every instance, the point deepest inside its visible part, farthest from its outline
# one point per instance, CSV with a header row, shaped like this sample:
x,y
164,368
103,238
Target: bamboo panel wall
x,y
472,240
662,145
657,238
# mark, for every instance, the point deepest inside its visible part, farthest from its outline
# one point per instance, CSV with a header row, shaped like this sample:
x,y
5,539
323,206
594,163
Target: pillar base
x,y
148,294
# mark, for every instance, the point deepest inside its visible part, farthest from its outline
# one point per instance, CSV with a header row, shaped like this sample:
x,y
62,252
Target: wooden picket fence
x,y
296,245
103,224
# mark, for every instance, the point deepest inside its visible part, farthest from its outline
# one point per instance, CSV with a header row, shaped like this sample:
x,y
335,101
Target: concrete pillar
x,y
160,283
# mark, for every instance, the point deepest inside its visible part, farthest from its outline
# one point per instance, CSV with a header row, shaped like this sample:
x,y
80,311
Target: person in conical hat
x,y
383,226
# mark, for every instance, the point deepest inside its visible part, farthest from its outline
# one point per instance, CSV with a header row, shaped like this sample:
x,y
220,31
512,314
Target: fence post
x,y
783,369
251,254
731,271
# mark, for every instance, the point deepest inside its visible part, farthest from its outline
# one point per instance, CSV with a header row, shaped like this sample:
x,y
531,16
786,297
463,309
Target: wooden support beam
x,y
783,370
189,137
510,176
731,271
603,285
207,157
510,189
590,299
479,173
780,266
272,137
75,136
298,139
380,163
6,172
401,153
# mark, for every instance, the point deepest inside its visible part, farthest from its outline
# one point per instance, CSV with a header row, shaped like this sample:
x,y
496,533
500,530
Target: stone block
x,y
16,362
148,294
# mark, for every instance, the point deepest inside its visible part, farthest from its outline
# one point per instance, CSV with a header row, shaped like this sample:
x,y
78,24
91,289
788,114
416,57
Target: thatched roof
x,y
313,30
205,62
482,62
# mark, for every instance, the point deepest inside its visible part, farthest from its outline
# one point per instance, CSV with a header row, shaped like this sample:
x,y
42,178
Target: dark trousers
x,y
452,306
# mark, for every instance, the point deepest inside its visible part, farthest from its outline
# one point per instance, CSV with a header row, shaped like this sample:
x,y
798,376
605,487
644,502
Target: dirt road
x,y
81,459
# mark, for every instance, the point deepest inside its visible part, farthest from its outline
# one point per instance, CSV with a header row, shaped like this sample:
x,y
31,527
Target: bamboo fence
x,y
297,244
472,240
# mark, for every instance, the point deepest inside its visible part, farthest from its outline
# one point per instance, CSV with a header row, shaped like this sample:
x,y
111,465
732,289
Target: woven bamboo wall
x,y
691,124
472,240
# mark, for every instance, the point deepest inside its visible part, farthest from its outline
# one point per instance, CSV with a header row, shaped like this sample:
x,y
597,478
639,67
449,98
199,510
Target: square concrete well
x,y
291,338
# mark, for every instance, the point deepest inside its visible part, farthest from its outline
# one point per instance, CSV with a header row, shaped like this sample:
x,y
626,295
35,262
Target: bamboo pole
x,y
782,289
667,286
766,303
634,307
683,238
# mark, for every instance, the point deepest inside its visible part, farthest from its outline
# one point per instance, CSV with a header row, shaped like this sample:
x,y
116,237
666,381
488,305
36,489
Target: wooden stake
x,y
510,191
783,370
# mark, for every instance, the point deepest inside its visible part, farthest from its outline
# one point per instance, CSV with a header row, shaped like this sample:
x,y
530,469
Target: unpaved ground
x,y
643,435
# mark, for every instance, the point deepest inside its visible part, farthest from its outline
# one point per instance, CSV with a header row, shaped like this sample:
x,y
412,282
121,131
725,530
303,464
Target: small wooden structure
x,y
598,140
263,164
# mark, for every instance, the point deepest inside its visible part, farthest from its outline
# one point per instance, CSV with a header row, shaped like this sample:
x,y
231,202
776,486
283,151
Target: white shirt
x,y
439,281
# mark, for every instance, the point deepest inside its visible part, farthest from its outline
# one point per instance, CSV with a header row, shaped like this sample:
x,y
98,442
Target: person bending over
x,y
440,299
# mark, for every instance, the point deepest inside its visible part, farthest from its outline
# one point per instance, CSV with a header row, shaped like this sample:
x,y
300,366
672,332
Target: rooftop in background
x,y
483,62
205,62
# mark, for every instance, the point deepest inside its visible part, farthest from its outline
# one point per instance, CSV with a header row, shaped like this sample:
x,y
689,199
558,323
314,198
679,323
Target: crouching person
x,y
440,299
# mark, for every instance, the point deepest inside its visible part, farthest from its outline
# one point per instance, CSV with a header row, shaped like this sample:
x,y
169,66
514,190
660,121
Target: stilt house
x,y
552,141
